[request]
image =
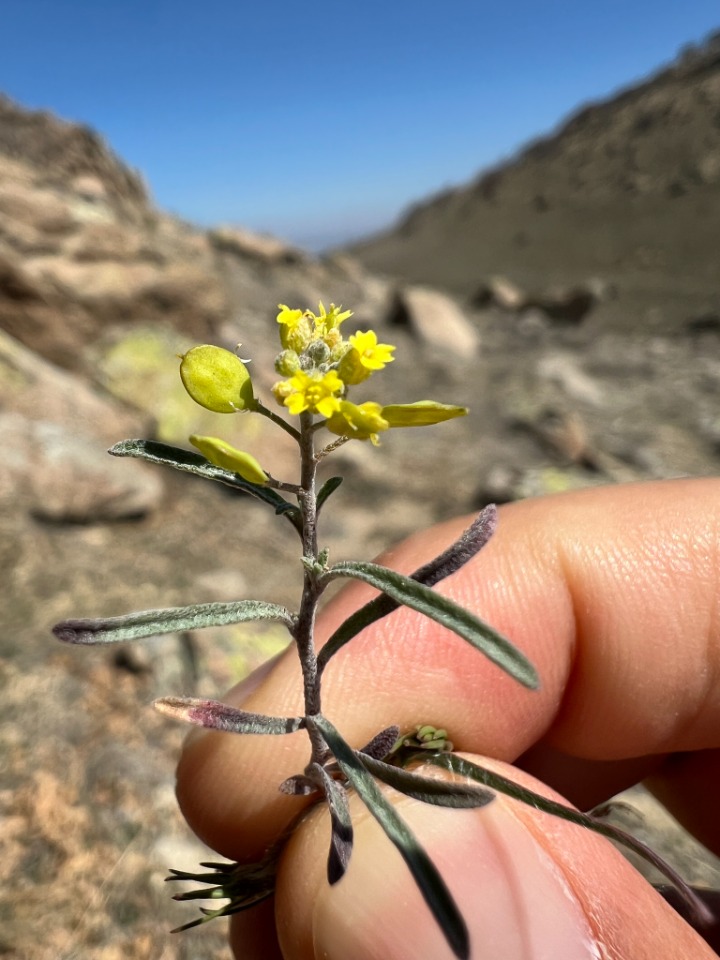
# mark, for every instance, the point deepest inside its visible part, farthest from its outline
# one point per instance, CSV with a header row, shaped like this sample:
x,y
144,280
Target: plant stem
x,y
304,631
287,427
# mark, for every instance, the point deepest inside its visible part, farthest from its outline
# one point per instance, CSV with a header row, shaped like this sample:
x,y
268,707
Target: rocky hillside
x,y
627,190
99,292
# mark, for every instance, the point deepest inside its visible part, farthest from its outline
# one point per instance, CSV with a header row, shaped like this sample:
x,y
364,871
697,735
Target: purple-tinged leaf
x,y
214,715
341,838
298,786
382,743
470,542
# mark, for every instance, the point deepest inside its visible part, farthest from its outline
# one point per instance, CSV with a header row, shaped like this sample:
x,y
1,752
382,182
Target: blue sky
x,y
320,121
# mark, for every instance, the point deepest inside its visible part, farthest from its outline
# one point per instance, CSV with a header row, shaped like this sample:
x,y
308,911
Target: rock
x,y
704,323
565,370
35,312
435,319
65,151
39,391
254,246
502,293
65,477
566,304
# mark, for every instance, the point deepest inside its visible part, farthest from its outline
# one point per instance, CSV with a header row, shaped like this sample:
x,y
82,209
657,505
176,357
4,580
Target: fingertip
x,y
529,885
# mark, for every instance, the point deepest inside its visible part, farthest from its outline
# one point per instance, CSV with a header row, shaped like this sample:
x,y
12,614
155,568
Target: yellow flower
x,y
217,379
364,357
359,421
424,413
223,455
330,321
296,328
314,392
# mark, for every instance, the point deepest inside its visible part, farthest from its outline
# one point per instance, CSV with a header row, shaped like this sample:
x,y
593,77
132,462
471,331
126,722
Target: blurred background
x,y
525,200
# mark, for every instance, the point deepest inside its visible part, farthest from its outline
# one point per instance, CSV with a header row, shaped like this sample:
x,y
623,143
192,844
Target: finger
x,y
530,886
253,935
612,593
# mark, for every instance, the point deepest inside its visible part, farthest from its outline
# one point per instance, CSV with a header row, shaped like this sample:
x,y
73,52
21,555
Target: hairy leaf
x,y
445,612
220,716
466,768
341,840
167,455
151,623
441,793
329,487
424,872
469,543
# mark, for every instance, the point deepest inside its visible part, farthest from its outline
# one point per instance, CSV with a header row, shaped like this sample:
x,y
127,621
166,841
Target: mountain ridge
x,y
636,176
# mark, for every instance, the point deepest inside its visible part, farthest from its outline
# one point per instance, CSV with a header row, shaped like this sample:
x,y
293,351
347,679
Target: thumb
x,y
530,886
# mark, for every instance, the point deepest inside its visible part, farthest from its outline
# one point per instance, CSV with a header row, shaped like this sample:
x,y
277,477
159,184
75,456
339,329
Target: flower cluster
x,y
318,366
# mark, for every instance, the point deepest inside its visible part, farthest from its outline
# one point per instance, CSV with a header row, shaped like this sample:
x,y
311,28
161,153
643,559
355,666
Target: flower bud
x,y
217,379
287,363
358,421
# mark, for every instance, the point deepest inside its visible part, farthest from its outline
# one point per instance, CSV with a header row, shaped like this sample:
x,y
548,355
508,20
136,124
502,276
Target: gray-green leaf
x,y
468,544
440,793
195,463
151,623
424,872
446,612
466,768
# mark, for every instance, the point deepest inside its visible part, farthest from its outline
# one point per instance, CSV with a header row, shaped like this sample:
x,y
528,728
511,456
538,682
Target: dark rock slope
x,y
627,190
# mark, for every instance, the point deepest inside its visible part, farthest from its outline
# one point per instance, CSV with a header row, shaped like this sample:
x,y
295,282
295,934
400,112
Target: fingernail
x,y
515,899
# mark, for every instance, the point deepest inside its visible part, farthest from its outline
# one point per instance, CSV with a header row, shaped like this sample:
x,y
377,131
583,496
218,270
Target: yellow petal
x,y
217,379
424,413
223,455
359,421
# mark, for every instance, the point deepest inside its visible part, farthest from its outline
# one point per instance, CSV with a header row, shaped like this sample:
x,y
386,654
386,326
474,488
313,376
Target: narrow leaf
x,y
466,768
220,716
187,462
470,542
424,872
151,623
330,486
341,839
440,793
445,612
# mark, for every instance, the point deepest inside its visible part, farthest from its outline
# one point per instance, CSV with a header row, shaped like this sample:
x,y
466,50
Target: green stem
x,y
288,428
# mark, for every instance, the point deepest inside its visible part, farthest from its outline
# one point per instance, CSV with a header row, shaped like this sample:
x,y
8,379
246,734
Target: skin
x,y
614,595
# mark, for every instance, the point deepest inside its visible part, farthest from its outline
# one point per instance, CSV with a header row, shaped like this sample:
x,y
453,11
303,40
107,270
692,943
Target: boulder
x,y
64,477
435,319
502,293
254,246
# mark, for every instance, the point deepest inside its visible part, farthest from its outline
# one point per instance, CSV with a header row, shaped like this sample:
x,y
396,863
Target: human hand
x,y
614,594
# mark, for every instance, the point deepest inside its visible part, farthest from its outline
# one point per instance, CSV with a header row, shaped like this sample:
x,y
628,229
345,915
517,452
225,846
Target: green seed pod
x,y
223,455
217,379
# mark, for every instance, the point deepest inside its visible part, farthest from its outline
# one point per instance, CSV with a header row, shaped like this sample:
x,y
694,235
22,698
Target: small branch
x,y
262,409
281,485
336,444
